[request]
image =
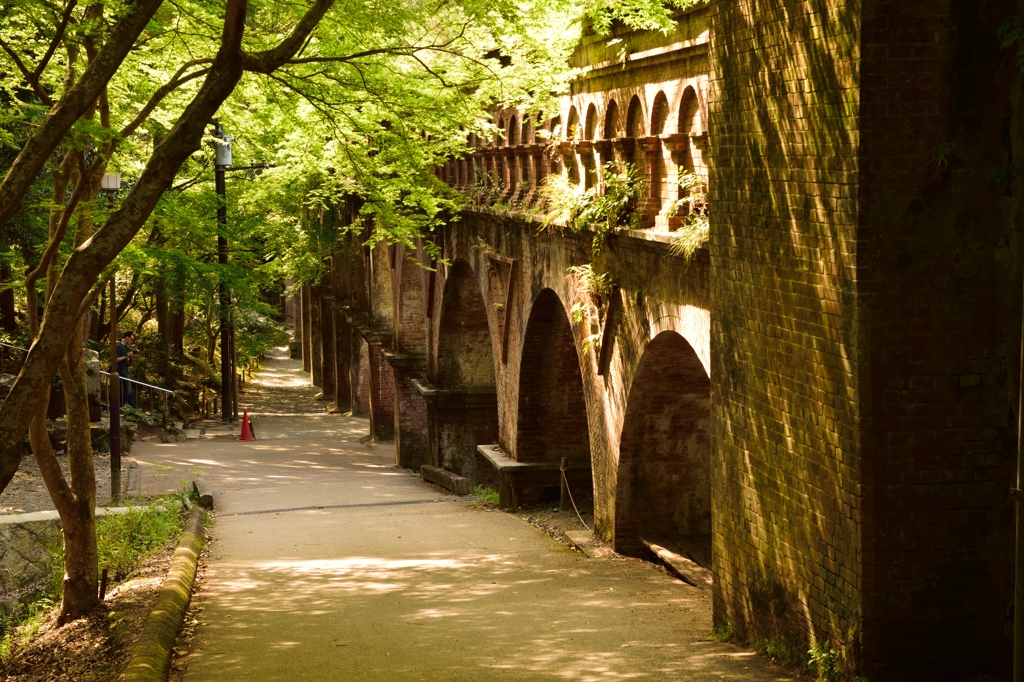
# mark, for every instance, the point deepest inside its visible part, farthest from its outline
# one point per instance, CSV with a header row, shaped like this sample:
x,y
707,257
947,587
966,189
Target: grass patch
x,y
486,494
778,651
123,542
721,633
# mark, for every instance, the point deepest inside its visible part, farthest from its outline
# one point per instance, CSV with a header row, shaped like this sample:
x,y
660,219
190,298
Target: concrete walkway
x,y
395,580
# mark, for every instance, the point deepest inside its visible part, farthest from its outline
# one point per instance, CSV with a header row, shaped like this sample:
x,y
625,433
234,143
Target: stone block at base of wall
x,y
25,543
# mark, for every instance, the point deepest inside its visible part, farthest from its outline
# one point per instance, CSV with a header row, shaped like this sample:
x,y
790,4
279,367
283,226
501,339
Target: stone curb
x,y
151,657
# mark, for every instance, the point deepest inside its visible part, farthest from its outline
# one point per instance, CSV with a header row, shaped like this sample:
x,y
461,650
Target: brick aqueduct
x,y
821,405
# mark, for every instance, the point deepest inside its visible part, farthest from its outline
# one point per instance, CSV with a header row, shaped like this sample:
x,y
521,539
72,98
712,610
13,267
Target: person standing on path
x,y
125,351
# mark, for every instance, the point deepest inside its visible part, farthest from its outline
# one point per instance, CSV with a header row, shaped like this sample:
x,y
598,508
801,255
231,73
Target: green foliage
x,y
1011,33
486,494
721,633
603,213
693,207
586,280
779,651
124,541
826,662
132,414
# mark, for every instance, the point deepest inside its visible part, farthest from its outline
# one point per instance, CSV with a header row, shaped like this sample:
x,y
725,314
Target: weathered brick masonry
x,y
825,396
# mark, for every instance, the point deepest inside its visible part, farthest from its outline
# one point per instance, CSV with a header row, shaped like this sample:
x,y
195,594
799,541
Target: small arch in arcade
x,y
659,114
663,489
611,121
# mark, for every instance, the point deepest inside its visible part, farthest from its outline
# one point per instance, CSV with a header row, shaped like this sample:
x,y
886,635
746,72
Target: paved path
x,y
398,581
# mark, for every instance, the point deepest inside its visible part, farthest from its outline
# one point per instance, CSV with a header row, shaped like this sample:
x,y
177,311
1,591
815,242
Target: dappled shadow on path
x,y
530,611
281,387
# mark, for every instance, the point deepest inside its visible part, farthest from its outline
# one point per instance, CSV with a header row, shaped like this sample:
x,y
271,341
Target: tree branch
x,y
71,106
32,80
57,37
176,81
268,60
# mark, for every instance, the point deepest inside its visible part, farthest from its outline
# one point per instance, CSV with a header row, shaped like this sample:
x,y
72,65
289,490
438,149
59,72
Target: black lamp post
x,y
109,185
223,162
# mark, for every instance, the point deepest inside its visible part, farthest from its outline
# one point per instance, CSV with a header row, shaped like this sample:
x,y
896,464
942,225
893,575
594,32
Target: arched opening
x,y
659,114
635,118
572,134
634,127
590,129
664,478
661,194
611,121
526,131
552,420
462,401
554,132
512,132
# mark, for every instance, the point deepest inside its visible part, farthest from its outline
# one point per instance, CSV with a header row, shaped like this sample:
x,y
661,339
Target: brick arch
x,y
635,118
659,114
663,486
552,414
411,319
611,120
572,120
464,354
512,132
590,127
689,112
461,396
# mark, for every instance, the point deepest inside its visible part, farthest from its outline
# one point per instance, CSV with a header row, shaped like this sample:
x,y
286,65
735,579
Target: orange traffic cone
x,y
246,432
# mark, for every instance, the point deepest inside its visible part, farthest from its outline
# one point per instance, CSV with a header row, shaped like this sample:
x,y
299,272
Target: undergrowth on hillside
x,y
124,541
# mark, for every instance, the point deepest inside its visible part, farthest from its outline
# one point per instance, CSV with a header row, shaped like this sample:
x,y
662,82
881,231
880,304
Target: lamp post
x,y
223,162
109,185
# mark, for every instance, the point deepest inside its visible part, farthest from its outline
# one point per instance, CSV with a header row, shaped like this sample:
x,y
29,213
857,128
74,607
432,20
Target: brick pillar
x,y
327,376
342,363
306,324
315,339
410,410
382,393
650,167
459,419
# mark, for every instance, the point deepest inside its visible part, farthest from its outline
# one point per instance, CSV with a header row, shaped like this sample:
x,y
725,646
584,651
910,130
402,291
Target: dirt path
x,y
330,563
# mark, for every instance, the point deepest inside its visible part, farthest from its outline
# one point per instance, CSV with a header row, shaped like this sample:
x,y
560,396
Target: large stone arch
x,y
663,488
461,393
552,421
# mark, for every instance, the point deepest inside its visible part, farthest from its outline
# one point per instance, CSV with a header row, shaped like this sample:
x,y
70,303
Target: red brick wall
x,y
785,329
939,294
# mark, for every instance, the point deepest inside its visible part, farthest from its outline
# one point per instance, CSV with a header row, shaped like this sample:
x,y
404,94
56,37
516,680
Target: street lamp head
x,y
224,150
111,182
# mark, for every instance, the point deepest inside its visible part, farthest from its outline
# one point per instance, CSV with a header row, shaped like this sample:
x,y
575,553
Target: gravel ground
x,y
27,492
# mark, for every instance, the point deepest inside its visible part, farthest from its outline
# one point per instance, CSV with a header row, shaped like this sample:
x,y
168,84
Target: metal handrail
x,y
140,383
134,381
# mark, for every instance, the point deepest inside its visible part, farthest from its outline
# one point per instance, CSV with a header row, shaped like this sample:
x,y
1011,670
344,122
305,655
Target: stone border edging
x,y
151,657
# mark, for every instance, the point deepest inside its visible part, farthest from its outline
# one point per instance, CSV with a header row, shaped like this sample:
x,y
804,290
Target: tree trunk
x,y
176,322
162,312
8,317
78,520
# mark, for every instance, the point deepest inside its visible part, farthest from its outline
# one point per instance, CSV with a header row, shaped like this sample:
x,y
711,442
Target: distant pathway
x,y
281,387
391,579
